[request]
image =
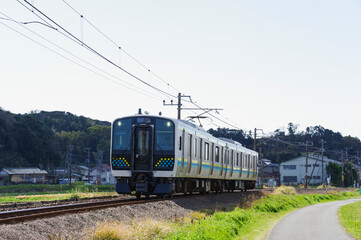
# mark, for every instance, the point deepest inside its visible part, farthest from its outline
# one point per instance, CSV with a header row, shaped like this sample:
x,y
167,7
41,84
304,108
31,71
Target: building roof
x,y
14,171
311,159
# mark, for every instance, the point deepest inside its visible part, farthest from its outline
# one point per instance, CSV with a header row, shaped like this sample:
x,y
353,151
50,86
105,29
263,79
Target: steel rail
x,y
15,216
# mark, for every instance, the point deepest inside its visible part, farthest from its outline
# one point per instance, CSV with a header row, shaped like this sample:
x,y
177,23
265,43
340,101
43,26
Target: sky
x,y
265,63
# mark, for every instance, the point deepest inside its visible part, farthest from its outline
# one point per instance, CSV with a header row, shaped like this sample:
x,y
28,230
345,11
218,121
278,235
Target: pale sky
x,y
266,63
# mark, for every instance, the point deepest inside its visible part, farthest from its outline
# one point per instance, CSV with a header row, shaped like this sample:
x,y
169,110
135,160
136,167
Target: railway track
x,y
21,215
15,216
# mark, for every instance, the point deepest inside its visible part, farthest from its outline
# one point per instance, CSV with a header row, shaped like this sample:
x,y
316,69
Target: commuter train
x,y
161,156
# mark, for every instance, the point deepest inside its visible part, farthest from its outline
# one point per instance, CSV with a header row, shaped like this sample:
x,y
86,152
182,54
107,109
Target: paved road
x,y
319,222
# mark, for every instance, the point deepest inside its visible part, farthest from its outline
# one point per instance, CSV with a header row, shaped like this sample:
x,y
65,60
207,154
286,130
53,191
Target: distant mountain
x,y
284,145
42,139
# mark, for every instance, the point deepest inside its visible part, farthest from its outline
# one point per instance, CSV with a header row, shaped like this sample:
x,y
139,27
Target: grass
x,y
350,218
251,223
42,192
48,188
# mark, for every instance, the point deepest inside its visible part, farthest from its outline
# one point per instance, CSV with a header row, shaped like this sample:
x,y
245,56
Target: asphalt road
x,y
318,221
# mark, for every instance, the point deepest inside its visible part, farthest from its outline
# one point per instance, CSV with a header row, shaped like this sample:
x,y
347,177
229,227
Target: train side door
x,y
182,147
200,156
190,152
221,161
232,163
143,148
226,161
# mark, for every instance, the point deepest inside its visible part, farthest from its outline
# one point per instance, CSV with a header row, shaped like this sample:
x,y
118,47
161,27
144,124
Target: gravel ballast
x,y
77,226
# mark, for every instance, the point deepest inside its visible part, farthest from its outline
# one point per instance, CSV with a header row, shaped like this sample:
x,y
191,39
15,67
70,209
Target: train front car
x,y
142,155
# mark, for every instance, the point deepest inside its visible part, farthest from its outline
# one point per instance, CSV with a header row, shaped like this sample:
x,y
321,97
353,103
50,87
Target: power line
x,y
83,44
118,46
141,64
61,55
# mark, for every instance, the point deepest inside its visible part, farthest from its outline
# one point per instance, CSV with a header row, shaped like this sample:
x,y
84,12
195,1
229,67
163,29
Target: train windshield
x,y
122,131
164,136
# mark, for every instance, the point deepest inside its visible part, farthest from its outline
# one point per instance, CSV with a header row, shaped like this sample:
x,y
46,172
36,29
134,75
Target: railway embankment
x,y
183,218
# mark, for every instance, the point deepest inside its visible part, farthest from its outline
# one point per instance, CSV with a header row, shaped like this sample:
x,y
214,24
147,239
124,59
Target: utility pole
x,y
87,160
68,162
260,175
342,174
179,106
306,175
323,171
100,160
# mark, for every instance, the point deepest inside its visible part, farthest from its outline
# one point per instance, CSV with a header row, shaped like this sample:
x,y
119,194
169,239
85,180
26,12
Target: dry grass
x,y
284,190
137,229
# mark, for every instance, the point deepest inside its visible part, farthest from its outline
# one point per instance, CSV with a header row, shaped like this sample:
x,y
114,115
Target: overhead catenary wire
x,y
61,55
83,44
131,87
71,36
119,47
137,61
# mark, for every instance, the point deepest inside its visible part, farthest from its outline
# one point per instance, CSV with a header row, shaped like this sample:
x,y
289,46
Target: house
x,y
270,174
23,175
102,175
293,172
80,173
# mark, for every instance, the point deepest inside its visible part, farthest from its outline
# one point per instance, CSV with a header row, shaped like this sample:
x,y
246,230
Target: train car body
x,y
161,156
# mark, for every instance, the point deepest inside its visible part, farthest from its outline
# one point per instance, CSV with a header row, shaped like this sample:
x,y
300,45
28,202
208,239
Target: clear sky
x,y
266,63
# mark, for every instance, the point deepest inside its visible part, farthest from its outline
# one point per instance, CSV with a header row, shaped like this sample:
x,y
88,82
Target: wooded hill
x,y
42,139
282,145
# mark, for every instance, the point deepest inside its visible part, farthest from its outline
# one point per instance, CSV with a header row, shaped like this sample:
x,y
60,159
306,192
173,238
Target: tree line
x,y
42,139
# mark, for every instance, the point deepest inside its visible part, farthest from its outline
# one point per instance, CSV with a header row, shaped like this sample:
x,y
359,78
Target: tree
x,y
335,171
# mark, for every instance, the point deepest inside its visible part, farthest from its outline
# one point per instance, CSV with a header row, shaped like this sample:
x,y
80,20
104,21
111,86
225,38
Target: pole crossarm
x,y
179,106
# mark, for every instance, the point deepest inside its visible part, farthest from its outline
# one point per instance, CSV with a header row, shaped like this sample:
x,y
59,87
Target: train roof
x,y
191,125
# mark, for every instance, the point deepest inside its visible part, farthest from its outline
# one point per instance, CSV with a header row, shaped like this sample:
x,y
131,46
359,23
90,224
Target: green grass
x,y
43,192
350,218
47,188
252,223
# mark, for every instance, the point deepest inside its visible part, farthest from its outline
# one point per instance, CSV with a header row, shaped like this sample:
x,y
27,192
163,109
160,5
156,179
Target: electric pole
x,y
323,171
179,106
306,175
87,160
342,177
260,161
68,162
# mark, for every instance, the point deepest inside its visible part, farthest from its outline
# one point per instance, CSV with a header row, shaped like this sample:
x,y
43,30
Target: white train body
x,y
158,155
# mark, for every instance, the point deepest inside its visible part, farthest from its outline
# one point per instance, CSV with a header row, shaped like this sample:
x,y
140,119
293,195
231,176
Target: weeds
x,y
240,223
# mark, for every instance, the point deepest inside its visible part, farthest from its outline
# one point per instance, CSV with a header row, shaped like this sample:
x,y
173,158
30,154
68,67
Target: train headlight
x,y
119,123
169,124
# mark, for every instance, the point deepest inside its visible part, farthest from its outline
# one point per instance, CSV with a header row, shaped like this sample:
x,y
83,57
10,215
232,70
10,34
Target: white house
x,y
102,175
293,171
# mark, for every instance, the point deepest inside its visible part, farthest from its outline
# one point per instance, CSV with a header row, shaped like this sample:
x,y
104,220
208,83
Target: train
x,y
156,155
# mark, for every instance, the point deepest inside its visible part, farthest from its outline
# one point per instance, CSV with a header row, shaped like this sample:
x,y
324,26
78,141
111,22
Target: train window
x,y
190,146
232,157
200,148
222,156
180,143
217,154
241,158
206,151
195,147
237,159
122,130
143,137
164,136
